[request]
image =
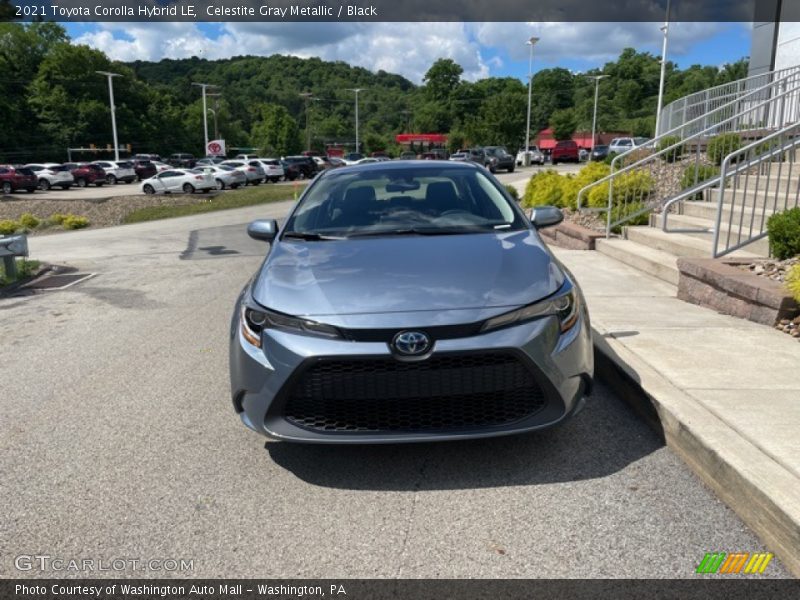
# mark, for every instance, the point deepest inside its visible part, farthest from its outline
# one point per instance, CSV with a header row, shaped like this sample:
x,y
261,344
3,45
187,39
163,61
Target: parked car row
x,y
494,158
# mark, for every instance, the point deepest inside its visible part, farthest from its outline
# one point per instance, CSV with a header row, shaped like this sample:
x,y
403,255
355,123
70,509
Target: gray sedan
x,y
408,302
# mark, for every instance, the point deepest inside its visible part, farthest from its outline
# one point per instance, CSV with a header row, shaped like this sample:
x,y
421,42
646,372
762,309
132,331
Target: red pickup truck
x,y
565,151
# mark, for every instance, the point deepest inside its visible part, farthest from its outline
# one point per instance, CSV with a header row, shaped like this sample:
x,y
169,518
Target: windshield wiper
x,y
414,231
309,236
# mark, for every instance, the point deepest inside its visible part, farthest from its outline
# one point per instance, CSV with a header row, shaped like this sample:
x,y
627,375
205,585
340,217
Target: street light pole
x,y
356,90
204,86
113,108
214,112
597,79
527,157
307,96
665,29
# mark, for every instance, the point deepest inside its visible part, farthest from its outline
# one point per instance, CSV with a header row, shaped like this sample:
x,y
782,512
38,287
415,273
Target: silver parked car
x,y
273,169
117,171
408,302
225,176
252,169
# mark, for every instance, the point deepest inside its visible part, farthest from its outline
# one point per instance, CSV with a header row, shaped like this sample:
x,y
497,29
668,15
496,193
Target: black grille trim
x,y
445,393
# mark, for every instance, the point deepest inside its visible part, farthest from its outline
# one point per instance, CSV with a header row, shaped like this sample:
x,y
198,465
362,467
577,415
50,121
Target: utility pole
x,y
307,96
597,79
356,90
204,86
113,108
664,29
527,157
214,111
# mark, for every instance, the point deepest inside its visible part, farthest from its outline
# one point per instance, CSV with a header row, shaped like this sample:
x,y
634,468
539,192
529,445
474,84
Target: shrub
x,y
609,157
694,174
74,222
7,226
28,221
56,218
671,155
546,187
631,186
784,233
793,282
512,190
721,145
621,211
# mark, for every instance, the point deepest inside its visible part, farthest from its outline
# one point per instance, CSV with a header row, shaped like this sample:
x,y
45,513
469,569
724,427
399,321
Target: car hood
x,y
405,274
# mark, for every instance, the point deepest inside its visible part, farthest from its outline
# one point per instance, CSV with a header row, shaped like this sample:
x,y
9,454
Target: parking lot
x,y
119,440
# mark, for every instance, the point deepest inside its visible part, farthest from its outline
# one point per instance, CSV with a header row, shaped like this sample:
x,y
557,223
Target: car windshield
x,y
394,201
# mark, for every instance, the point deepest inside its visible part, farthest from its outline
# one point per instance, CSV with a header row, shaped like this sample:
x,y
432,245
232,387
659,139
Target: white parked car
x,y
273,169
623,144
225,176
52,174
179,180
117,171
252,169
537,158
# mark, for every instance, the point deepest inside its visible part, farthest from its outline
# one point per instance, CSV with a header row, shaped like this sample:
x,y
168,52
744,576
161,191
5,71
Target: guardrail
x,y
635,187
10,248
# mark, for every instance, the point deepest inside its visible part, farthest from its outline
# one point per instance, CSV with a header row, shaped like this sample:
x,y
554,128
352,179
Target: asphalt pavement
x,y
118,440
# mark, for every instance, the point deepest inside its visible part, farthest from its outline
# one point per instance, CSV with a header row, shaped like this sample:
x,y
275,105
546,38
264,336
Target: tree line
x,y
51,98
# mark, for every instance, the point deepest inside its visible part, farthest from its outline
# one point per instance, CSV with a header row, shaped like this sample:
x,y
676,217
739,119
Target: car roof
x,y
421,165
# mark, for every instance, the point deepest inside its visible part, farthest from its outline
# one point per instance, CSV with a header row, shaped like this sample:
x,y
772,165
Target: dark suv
x,y
305,164
182,160
17,178
86,174
499,159
565,151
145,169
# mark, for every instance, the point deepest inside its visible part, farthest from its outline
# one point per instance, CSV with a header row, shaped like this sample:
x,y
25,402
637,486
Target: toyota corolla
x,y
406,302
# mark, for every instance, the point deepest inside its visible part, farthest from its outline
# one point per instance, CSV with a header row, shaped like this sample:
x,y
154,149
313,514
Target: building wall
x,y
762,47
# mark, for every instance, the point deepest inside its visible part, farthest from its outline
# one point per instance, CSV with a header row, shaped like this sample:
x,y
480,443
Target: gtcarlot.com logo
x,y
45,562
734,563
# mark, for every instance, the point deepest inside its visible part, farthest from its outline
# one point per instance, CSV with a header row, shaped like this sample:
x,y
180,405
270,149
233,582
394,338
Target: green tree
x,y
442,79
563,123
276,132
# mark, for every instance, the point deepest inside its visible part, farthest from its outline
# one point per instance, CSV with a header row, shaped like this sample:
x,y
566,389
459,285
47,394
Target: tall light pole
x,y
665,30
214,112
113,108
531,42
205,86
597,79
307,96
356,90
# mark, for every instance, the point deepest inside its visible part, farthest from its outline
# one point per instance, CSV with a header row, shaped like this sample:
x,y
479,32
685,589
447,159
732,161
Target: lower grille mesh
x,y
440,393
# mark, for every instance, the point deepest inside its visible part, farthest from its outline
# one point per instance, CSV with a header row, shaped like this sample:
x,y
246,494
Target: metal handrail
x,y
790,79
714,94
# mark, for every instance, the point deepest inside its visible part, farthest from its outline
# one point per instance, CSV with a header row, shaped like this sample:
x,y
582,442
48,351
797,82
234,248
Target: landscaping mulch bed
x,y
585,219
101,213
770,268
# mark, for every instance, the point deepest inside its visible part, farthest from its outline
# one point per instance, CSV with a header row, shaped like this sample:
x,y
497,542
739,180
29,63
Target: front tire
x,y
149,190
44,185
81,182
188,188
511,169
220,184
111,179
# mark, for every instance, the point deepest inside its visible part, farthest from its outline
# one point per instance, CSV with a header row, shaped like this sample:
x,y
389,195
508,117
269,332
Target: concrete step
x,y
781,198
677,244
648,260
708,210
705,231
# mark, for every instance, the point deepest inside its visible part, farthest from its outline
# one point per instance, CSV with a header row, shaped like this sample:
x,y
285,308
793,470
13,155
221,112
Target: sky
x,y
482,49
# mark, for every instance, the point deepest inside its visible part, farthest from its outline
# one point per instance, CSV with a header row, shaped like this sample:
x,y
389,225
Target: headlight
x,y
564,305
255,320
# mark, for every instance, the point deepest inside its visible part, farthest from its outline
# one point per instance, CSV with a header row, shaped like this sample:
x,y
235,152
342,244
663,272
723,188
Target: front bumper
x,y
448,396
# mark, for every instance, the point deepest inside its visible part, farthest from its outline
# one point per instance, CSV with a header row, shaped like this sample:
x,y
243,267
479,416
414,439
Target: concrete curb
x,y
764,494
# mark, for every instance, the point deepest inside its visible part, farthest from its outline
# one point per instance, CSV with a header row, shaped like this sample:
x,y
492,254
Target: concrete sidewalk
x,y
726,391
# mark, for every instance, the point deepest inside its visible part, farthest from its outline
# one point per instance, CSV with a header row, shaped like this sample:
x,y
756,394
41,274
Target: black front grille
x,y
442,393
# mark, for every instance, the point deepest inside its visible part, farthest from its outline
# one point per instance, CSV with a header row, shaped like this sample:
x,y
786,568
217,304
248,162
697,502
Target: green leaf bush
x,y
793,282
621,211
672,155
74,222
512,190
7,226
636,186
783,229
700,173
721,145
545,188
28,221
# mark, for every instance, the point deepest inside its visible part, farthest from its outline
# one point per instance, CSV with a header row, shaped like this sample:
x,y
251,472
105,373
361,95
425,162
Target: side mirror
x,y
546,216
263,230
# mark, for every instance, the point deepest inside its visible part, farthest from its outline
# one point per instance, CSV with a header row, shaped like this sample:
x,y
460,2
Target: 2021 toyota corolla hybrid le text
x,y
408,301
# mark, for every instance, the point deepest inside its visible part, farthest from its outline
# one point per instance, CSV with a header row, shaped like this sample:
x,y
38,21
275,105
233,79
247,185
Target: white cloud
x,y
404,48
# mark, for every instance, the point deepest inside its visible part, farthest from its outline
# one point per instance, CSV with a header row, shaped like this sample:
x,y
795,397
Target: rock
x,y
758,269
